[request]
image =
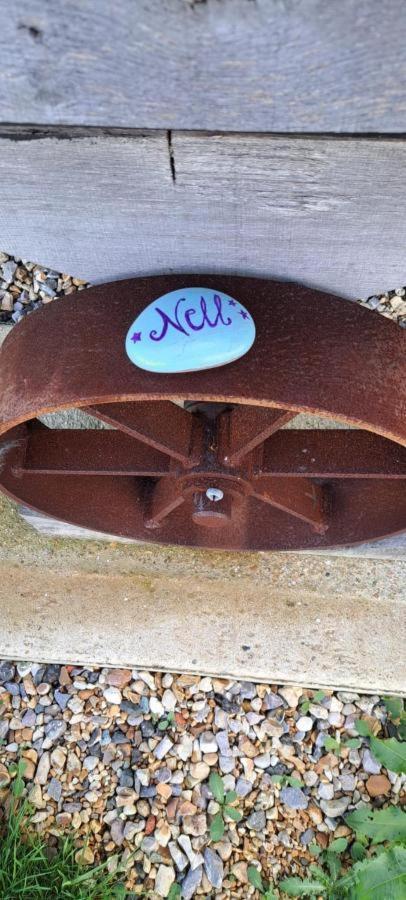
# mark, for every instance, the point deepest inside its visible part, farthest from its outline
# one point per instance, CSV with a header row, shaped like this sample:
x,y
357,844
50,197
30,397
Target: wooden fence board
x,y
241,65
328,212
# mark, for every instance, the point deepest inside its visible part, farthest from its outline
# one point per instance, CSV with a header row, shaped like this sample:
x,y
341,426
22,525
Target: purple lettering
x,y
188,318
168,321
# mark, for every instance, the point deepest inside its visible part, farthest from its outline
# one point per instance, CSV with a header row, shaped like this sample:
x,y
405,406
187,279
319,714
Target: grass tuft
x,y
32,870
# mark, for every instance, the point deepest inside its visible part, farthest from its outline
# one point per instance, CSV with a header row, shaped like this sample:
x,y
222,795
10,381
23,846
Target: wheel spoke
x,y
303,499
332,453
88,452
164,426
243,428
165,498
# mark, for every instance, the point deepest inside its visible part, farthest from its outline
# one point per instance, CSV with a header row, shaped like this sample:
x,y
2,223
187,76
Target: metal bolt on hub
x,y
214,494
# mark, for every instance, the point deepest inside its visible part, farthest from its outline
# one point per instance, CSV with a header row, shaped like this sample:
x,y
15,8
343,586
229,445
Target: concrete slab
x,y
320,621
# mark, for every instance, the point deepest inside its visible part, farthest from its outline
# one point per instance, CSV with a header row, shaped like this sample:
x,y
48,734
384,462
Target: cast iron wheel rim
x,y
151,476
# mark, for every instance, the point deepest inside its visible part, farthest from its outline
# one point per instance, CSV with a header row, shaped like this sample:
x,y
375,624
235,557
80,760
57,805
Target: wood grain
x,y
241,65
328,212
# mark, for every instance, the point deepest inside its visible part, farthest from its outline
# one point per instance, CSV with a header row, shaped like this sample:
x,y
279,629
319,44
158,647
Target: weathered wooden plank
x,y
231,65
324,211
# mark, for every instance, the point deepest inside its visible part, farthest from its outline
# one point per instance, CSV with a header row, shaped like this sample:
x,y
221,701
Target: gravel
x,y
123,758
26,286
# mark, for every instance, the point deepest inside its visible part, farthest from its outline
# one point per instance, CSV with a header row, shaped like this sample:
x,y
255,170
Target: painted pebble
x,y
189,330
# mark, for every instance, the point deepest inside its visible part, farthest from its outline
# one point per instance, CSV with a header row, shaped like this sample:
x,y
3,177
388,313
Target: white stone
x,y
188,330
112,695
199,771
291,694
156,707
195,859
205,685
165,877
163,748
304,723
168,701
208,743
146,677
262,761
184,748
178,857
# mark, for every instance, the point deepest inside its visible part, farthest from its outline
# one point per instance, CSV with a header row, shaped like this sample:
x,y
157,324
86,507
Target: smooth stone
x,y
54,789
334,808
213,867
272,701
291,695
178,857
127,779
188,330
208,742
156,707
304,723
195,859
325,791
223,743
168,701
90,763
7,672
24,668
370,764
199,771
257,820
243,787
44,765
118,678
348,782
310,778
226,764
195,825
117,831
262,761
29,719
4,729
165,877
378,785
61,699
147,728
294,798
112,695
35,797
191,883
163,775
184,748
54,730
163,748
307,837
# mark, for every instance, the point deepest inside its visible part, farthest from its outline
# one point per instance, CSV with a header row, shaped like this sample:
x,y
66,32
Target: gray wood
x,y
328,212
389,548
241,65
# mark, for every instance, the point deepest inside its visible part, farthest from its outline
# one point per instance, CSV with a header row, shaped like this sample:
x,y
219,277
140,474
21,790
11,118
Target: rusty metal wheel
x,y
223,472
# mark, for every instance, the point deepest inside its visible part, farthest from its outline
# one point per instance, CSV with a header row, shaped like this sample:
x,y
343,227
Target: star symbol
x,y
243,314
232,303
136,336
